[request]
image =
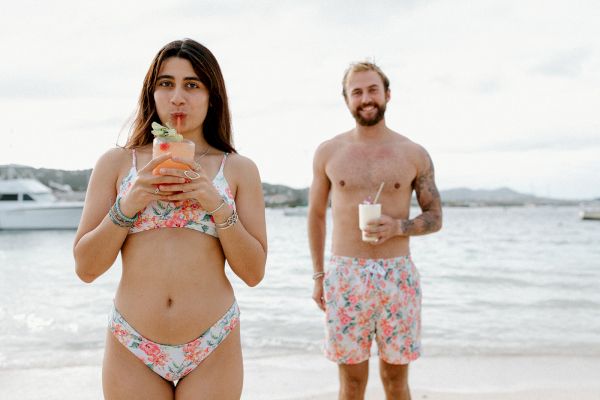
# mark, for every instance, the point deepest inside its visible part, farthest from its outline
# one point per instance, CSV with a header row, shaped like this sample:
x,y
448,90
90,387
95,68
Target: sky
x,y
501,93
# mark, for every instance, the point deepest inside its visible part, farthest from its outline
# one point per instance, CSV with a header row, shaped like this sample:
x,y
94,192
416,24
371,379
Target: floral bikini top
x,y
186,214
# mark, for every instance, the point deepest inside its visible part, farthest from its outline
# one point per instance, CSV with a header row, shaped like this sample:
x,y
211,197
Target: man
x,y
371,289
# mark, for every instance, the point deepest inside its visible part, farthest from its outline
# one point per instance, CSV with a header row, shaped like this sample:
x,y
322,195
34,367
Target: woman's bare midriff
x,y
173,286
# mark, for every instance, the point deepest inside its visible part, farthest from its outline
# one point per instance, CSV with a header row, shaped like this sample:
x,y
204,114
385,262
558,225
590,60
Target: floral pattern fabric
x,y
173,362
372,298
185,214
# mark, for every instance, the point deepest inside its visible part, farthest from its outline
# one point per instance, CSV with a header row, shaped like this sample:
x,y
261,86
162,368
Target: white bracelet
x,y
317,275
229,222
218,208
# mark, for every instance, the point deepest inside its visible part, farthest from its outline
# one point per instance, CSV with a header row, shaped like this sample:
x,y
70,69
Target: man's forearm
x,y
316,241
427,222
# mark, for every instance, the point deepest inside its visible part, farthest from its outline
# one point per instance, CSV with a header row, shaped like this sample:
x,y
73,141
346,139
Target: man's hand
x,y
318,295
382,229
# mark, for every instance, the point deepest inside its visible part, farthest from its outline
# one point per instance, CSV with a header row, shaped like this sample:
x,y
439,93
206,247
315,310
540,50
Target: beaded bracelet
x,y
218,208
229,222
120,213
318,275
118,218
115,219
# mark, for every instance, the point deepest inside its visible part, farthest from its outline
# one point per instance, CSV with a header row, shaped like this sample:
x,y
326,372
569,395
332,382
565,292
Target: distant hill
x,y
284,196
502,196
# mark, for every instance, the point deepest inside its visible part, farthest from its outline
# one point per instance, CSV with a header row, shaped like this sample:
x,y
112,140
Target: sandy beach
x,y
303,377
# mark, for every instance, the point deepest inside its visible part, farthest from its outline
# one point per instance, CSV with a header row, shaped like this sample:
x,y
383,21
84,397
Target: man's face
x,y
366,97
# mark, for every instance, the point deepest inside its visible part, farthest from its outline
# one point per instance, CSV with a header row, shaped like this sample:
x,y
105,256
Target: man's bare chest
x,y
360,168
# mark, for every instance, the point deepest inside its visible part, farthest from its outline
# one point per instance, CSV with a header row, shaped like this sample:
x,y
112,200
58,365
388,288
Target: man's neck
x,y
375,132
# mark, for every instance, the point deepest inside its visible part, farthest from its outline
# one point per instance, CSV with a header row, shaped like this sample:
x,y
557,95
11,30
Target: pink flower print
x,y
228,193
404,276
344,319
388,330
232,325
119,331
159,359
353,299
190,350
149,348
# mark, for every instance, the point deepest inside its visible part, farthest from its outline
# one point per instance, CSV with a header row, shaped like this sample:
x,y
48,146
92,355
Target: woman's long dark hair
x,y
217,125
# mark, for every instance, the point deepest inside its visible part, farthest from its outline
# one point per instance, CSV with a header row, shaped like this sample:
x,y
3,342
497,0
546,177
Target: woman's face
x,y
181,99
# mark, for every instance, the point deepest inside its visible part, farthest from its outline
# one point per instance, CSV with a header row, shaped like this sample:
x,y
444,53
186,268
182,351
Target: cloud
x,y
568,64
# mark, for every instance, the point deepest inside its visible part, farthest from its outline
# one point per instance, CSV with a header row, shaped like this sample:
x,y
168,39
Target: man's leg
x,y
395,380
353,380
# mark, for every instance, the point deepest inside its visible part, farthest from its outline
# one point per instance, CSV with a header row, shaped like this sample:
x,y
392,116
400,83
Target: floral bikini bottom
x,y
173,362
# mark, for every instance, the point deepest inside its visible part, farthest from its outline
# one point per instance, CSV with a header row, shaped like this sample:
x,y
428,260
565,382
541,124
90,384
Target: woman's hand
x,y
196,185
146,187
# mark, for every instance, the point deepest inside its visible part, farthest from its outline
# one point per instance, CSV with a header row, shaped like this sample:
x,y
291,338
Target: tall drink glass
x,y
366,213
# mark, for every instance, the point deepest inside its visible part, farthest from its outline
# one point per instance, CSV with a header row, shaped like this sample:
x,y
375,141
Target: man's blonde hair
x,y
363,66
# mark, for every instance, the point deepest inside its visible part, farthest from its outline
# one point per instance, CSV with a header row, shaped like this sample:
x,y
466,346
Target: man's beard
x,y
369,121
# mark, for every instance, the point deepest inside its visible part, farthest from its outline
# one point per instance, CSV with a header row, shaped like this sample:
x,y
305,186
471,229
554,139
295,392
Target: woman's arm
x,y
245,243
98,240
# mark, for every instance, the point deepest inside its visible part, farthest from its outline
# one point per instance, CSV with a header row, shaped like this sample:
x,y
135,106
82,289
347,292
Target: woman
x,y
175,318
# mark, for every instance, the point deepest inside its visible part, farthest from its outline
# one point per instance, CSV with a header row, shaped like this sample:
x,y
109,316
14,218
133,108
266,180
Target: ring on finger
x,y
193,175
157,190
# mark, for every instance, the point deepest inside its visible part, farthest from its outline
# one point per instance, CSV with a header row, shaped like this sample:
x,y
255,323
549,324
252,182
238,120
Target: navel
x,y
169,302
342,183
397,185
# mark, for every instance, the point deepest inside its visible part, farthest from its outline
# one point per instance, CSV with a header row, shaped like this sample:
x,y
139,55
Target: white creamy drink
x,y
366,213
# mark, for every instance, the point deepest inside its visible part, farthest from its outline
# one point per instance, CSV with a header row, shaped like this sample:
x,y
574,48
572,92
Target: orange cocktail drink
x,y
167,140
182,149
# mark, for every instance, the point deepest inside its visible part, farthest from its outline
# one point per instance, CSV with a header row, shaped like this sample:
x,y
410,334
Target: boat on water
x,y
29,204
295,212
590,213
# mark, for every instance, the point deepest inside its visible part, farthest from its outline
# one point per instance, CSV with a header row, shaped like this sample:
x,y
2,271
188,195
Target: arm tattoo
x,y
429,200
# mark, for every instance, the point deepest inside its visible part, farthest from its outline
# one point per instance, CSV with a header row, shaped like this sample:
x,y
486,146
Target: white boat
x,y
295,212
28,204
590,213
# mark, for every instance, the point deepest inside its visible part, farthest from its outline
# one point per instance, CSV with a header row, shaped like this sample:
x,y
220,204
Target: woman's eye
x,y
193,85
164,83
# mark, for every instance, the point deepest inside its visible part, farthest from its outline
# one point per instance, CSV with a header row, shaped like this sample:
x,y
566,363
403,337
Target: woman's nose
x,y
178,97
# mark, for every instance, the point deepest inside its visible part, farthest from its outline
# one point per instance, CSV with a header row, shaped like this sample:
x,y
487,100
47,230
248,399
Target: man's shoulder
x,y
333,143
409,144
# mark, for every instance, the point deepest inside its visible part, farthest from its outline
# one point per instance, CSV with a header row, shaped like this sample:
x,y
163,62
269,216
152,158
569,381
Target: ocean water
x,y
496,281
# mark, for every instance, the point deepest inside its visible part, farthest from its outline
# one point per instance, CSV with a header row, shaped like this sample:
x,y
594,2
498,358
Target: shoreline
x,y
311,376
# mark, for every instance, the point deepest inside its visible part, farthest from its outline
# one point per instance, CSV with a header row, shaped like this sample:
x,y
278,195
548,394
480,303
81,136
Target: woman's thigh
x,y
125,377
219,376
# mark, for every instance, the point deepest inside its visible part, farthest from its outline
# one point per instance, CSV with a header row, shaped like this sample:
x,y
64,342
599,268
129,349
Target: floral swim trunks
x,y
367,298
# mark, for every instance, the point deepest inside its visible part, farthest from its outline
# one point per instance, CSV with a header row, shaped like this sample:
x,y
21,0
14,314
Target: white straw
x,y
378,193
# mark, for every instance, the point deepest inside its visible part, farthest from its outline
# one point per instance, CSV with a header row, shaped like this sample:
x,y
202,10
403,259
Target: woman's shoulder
x,y
115,158
113,162
241,167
